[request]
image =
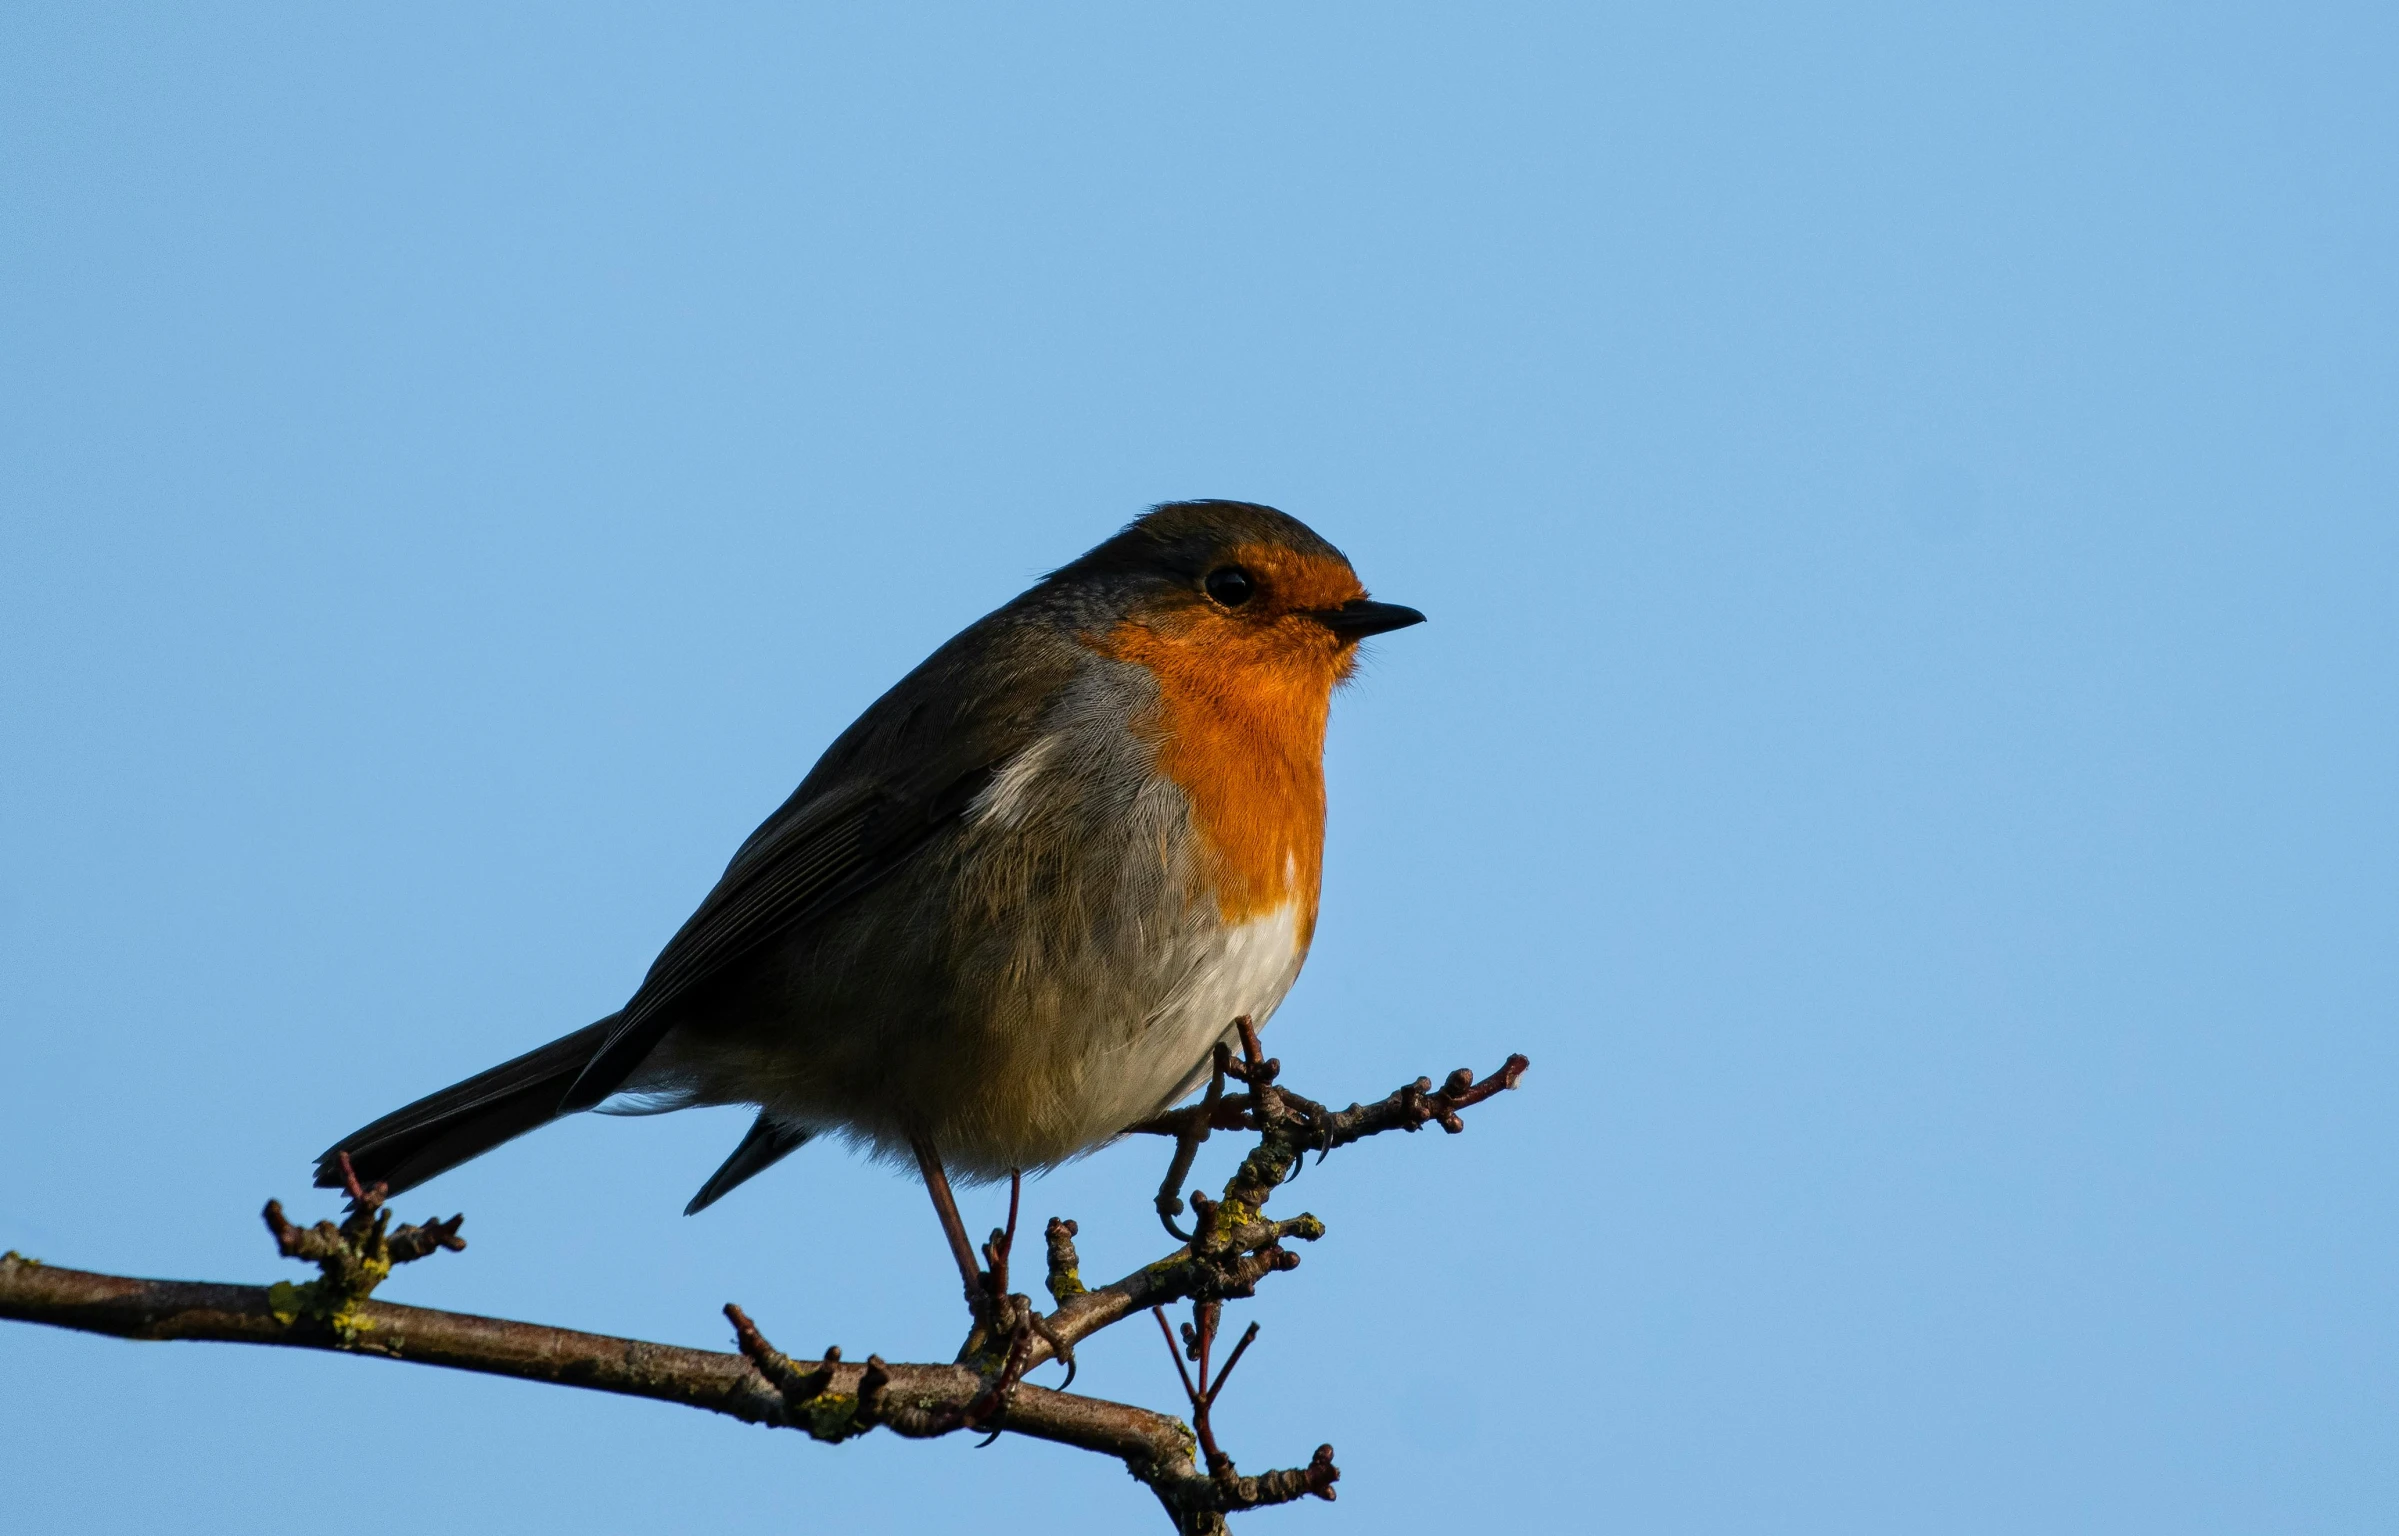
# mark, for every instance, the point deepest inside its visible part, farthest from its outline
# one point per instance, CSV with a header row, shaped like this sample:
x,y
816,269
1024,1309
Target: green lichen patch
x,y
832,1417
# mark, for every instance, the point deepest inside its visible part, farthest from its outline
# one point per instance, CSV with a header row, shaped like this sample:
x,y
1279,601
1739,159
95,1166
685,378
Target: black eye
x,y
1229,586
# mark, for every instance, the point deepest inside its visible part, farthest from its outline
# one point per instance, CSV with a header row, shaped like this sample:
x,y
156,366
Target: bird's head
x,y
1235,588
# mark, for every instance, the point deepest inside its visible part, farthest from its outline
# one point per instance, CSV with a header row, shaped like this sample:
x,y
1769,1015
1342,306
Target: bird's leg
x,y
1005,1326
1188,1137
997,1315
945,1205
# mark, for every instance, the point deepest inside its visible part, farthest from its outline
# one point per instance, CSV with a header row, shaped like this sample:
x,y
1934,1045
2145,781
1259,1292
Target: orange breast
x,y
1241,730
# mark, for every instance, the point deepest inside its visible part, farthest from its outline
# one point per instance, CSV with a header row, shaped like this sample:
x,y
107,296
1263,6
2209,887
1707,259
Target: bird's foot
x,y
1007,1329
1005,1323
1022,1327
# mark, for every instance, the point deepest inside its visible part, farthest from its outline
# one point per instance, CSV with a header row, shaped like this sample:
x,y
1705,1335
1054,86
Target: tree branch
x,y
1233,1246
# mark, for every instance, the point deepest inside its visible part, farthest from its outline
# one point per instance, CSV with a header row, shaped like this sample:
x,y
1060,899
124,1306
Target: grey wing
x,y
903,772
812,857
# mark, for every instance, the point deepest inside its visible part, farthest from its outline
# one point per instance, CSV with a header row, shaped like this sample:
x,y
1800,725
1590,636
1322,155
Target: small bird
x,y
1015,906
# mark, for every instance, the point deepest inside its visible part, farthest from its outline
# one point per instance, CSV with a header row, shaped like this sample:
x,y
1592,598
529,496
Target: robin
x,y
1015,906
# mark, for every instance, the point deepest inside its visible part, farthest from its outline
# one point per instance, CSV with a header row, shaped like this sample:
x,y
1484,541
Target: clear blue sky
x,y
1905,741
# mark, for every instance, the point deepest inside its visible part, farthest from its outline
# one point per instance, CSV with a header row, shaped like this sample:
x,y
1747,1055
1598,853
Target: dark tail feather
x,y
442,1130
767,1144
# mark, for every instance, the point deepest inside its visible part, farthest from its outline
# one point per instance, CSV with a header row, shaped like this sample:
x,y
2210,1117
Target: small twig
x,y
1411,1105
1175,1350
798,1387
1066,1266
352,1258
1195,1345
1231,1360
1199,1338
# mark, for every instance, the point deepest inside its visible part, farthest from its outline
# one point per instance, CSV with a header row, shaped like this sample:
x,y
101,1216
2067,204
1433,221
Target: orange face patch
x,y
1243,696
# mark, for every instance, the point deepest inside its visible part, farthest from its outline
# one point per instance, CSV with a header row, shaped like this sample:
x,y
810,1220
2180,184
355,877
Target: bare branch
x,y
729,1384
1233,1246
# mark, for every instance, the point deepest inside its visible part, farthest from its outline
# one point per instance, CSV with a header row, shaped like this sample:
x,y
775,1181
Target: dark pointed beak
x,y
1357,619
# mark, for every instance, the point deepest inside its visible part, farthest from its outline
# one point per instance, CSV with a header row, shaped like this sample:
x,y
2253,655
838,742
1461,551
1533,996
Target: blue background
x,y
1905,740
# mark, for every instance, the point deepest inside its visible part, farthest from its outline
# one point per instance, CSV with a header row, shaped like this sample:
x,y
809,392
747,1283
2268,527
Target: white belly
x,y
1237,969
